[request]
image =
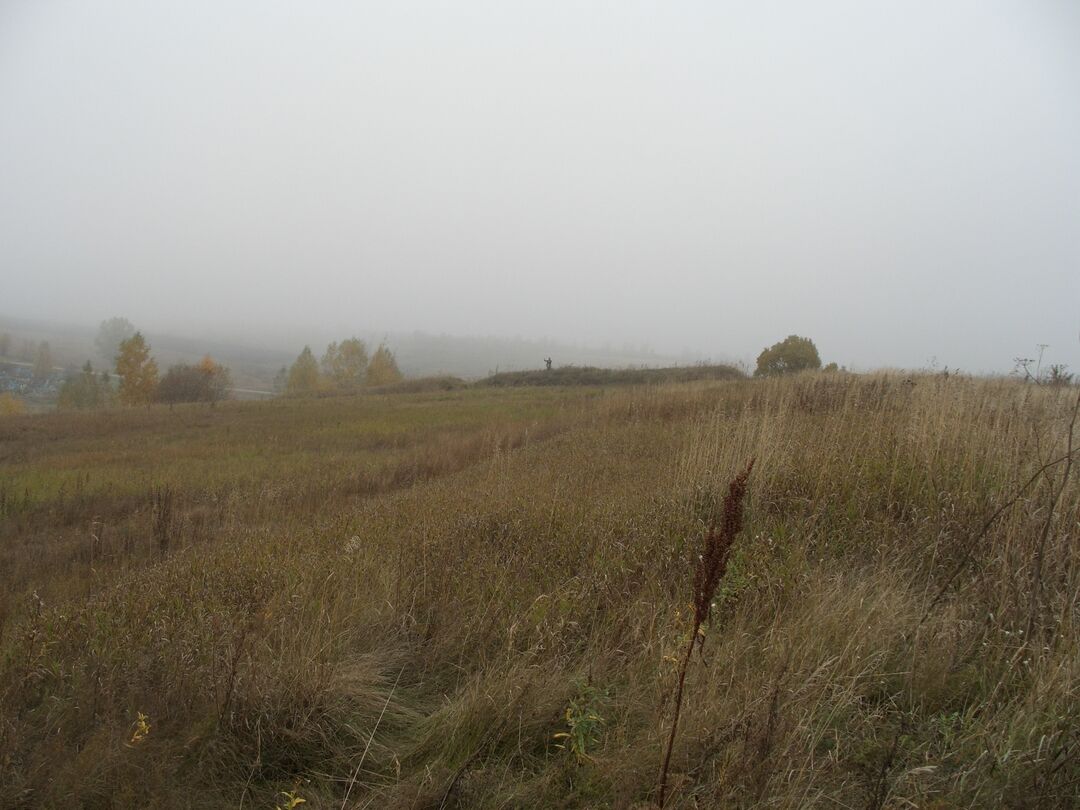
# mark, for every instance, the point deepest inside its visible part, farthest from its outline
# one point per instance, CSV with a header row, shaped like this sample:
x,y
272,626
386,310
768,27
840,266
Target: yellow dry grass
x,y
394,601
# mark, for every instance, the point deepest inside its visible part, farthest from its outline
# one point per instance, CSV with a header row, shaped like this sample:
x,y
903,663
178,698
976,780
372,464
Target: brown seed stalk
x,y
711,567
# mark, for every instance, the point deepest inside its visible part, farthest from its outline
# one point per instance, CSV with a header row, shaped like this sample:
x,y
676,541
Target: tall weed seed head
x,y
711,567
713,561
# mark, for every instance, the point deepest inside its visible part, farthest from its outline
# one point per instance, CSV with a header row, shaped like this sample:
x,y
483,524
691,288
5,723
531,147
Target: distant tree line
x,y
206,381
345,367
87,389
39,355
136,378
139,381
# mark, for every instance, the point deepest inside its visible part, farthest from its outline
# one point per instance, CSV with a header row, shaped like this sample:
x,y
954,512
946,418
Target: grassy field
x,y
478,598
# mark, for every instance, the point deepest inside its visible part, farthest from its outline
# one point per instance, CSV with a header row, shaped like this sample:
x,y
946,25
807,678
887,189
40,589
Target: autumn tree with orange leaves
x,y
137,370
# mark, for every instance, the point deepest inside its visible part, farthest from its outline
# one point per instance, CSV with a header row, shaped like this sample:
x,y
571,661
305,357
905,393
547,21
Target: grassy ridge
x,y
588,375
421,641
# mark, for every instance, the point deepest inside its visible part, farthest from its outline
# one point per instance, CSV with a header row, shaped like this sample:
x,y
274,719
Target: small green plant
x,y
292,800
583,722
140,729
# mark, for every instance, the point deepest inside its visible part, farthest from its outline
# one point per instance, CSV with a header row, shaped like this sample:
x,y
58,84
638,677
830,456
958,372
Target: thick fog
x,y
897,181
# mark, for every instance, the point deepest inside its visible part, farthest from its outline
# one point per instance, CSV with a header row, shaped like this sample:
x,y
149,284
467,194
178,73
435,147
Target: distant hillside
x,y
588,375
420,354
255,357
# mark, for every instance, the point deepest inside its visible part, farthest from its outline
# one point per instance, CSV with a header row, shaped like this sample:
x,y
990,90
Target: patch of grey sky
x,y
897,181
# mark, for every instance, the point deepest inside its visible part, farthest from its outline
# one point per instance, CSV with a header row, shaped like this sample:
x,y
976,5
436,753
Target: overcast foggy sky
x,y
897,181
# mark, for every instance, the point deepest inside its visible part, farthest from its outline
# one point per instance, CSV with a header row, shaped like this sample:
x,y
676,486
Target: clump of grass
x,y
711,567
162,499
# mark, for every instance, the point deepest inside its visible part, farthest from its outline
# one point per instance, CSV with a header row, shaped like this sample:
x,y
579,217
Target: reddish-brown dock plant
x,y
711,567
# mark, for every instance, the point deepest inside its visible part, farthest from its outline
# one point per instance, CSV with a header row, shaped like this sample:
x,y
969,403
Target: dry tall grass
x,y
419,644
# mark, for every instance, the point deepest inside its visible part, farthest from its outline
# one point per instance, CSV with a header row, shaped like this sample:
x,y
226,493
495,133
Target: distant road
x,y
111,374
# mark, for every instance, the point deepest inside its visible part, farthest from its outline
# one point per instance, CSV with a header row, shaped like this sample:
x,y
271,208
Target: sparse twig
x,y
1055,498
969,547
356,772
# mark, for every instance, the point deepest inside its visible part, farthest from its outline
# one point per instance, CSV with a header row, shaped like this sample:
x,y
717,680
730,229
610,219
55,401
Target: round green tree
x,y
792,354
